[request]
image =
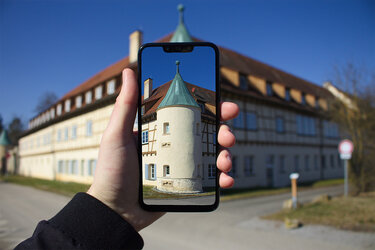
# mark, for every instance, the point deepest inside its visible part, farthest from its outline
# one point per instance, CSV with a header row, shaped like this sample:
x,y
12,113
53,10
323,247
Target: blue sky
x,y
196,67
56,45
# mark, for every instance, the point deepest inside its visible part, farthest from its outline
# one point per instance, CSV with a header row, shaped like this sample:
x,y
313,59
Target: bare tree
x,y
45,101
354,111
15,129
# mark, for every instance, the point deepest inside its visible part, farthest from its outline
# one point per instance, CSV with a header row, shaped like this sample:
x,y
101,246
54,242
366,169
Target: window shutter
x,y
154,171
146,171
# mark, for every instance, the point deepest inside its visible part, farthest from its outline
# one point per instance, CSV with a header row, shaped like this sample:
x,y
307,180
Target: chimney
x,y
135,41
147,88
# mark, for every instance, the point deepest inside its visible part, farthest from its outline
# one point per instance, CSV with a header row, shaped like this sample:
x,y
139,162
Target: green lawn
x,y
70,188
242,193
65,188
351,213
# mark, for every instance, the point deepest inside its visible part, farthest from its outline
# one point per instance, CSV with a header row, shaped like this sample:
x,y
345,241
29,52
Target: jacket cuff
x,y
91,223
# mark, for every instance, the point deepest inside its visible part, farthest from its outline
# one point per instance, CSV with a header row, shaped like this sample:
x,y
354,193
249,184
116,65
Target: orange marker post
x,y
293,178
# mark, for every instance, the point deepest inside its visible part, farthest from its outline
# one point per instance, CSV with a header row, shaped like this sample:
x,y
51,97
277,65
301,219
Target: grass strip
x,y
351,213
64,188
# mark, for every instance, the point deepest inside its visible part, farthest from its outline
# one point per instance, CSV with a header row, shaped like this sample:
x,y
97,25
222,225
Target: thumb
x,y
123,115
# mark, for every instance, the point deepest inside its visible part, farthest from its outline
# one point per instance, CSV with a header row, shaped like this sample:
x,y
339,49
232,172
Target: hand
x,y
117,173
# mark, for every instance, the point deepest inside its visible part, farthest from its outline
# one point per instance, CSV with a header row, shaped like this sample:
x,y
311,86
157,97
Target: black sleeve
x,y
84,223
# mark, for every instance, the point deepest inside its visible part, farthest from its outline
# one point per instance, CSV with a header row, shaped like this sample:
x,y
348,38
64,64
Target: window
x,y
249,166
91,167
78,101
306,125
316,164
270,160
59,135
166,171
59,109
150,171
60,167
330,129
233,171
74,131
211,171
303,100
296,163
280,125
144,137
317,103
332,160
243,82
339,161
74,167
251,121
98,92
307,163
143,110
111,85
238,122
287,95
197,131
66,134
282,164
67,105
269,89
88,97
214,137
166,128
89,128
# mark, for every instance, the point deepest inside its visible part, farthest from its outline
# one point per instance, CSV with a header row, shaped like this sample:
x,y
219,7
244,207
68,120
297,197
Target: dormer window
x,y
78,101
88,97
111,87
98,92
269,89
287,95
243,82
59,109
143,110
303,99
317,103
67,105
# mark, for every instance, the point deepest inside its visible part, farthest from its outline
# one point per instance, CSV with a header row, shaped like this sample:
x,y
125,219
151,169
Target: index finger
x,y
229,110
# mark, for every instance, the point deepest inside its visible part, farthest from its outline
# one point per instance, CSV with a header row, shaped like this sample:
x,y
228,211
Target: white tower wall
x,y
180,149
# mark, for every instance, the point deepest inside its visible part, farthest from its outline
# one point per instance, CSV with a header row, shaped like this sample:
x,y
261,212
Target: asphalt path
x,y
234,225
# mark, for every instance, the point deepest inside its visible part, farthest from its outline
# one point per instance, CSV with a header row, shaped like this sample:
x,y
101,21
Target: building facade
x,y
281,128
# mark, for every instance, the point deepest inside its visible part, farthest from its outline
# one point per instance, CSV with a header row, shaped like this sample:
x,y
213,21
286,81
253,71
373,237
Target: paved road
x,y
235,225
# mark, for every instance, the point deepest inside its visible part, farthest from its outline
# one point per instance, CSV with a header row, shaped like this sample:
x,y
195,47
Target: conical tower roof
x,y
181,34
178,93
4,139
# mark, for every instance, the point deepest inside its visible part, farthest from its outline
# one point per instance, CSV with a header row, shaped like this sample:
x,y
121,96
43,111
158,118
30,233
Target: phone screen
x,y
178,124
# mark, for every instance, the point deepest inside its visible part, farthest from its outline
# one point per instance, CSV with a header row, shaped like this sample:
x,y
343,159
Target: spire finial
x,y
181,9
177,66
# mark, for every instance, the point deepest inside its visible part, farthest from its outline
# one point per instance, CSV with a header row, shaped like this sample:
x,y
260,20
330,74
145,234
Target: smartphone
x,y
178,122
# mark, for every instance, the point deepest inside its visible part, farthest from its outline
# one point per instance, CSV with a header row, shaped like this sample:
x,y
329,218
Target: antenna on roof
x,y
177,66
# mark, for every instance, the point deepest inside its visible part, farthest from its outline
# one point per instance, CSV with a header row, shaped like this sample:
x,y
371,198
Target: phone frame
x,y
178,47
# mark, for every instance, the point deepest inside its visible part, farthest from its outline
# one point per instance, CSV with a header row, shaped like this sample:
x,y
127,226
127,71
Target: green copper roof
x,y
4,139
178,93
181,34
